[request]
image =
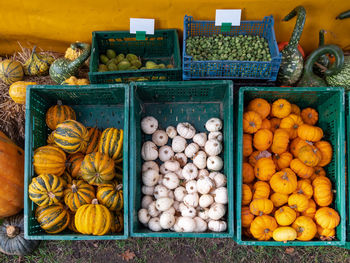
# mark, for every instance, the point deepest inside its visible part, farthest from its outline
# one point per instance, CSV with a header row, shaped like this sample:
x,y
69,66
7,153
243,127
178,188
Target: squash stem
x,y
12,231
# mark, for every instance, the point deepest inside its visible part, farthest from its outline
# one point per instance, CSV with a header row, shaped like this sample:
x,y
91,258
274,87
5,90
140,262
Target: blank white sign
x,y
232,16
141,24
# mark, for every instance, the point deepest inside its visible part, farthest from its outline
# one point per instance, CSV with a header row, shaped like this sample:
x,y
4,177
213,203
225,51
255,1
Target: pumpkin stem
x,y
51,194
97,174
74,188
59,102
267,230
252,124
119,187
12,231
293,206
94,201
284,176
261,213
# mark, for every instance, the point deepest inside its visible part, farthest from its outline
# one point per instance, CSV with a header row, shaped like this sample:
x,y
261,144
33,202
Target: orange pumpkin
x,y
262,227
311,209
248,173
291,123
253,158
319,171
325,233
246,216
251,122
262,139
310,133
260,106
246,194
327,217
301,169
309,116
261,190
275,124
304,187
300,202
266,124
264,169
284,182
283,160
261,206
285,216
326,152
310,155
279,199
295,109
280,141
295,146
305,227
323,195
73,163
247,144
281,108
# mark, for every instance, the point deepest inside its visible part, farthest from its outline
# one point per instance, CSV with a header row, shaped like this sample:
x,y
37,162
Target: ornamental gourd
x,y
118,223
295,146
94,138
305,188
50,140
318,171
12,241
260,106
111,196
261,206
67,178
326,152
283,160
246,194
93,219
297,201
11,174
247,144
78,193
284,234
309,116
74,162
52,218
280,141
279,199
275,124
323,195
264,169
311,209
295,109
111,144
59,113
285,216
46,189
262,139
281,108
71,136
284,182
305,227
310,155
251,122
247,173
261,190
49,160
97,168
310,133
246,216
11,71
266,124
291,123
253,157
37,65
74,81
327,217
17,91
262,227
301,169
325,233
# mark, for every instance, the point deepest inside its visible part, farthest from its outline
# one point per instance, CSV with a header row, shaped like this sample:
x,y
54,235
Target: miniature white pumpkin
x,y
200,139
164,203
150,165
191,186
178,144
203,213
213,147
171,210
189,211
171,132
149,151
176,227
214,163
191,149
143,216
219,179
149,125
181,158
179,193
166,220
213,125
206,200
182,206
201,225
171,194
154,224
186,224
146,201
191,199
200,160
160,180
215,135
150,177
217,226
172,165
190,171
160,191
203,172
205,185
147,190
220,195
171,181
165,153
216,211
176,205
160,138
179,174
163,170
152,209
185,130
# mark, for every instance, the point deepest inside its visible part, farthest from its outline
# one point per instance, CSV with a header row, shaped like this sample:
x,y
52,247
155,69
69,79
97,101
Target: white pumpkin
x,y
171,181
181,158
152,209
191,186
200,160
176,206
160,138
191,199
214,163
220,195
164,203
147,190
166,220
213,125
178,144
219,179
206,200
186,224
165,153
205,185
189,211
149,151
201,225
203,213
160,191
203,172
149,125
179,193
185,130
171,210
179,174
146,201
150,165
163,170
172,165
182,206
143,216
215,135
154,224
200,139
191,150
216,211
190,171
171,132
217,226
213,147
150,177
160,180
171,194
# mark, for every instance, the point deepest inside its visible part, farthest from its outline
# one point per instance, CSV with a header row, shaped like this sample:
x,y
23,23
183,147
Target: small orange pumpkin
x,y
300,202
283,160
326,152
301,169
291,123
281,108
246,216
246,194
247,144
325,233
304,187
285,216
260,106
275,124
305,227
248,173
280,141
295,109
295,146
323,195
311,210
310,155
253,158
266,124
251,122
319,171
264,169
310,133
262,139
262,206
261,190
309,116
262,227
327,217
279,199
284,182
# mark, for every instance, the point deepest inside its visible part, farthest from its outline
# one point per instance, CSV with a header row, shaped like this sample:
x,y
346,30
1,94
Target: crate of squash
x,y
291,167
76,162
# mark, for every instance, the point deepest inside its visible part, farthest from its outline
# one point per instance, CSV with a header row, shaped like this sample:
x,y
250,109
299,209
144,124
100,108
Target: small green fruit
x,y
136,63
161,65
150,64
119,58
133,68
131,57
102,68
104,59
112,67
111,53
124,64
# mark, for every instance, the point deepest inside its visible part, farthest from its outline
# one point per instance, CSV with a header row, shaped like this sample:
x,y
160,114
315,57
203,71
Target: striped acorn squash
x,y
52,218
67,178
71,136
50,139
17,91
71,225
118,224
93,219
73,163
78,193
58,114
11,71
97,169
111,196
49,160
111,143
46,189
94,138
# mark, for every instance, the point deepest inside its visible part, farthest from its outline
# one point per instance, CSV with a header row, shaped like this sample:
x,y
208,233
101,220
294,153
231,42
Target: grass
x,y
174,250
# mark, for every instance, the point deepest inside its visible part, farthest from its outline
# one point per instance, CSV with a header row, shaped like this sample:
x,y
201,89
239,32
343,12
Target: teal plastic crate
x,y
102,106
162,47
347,112
329,102
171,103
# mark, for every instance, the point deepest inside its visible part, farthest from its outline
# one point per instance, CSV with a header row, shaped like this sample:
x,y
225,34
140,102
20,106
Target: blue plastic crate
x,y
231,69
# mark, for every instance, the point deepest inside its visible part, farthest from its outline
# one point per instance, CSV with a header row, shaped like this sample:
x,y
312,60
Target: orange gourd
x,y
264,169
261,206
326,152
305,227
327,217
295,109
295,146
311,209
326,234
253,158
291,123
309,116
262,227
310,155
301,169
247,144
246,216
280,141
261,190
284,234
251,122
304,187
319,171
246,194
284,182
300,202
248,173
266,124
283,160
260,106
279,199
262,139
285,216
310,133
275,124
281,108
323,195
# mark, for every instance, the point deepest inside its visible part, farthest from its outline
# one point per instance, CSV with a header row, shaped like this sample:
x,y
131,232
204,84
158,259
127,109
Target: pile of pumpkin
x,y
84,190
286,192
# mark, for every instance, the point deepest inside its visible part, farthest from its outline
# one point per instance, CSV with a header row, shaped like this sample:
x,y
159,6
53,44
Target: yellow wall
x,y
53,24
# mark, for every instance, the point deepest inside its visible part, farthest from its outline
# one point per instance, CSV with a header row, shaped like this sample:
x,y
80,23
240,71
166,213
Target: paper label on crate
x,y
232,16
141,24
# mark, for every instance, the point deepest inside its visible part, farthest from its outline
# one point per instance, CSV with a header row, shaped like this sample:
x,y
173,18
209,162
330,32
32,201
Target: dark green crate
x,y
162,47
171,103
102,106
329,102
347,112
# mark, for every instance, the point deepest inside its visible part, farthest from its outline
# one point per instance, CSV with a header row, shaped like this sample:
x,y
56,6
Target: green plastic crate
x,y
171,103
347,107
329,102
162,47
102,106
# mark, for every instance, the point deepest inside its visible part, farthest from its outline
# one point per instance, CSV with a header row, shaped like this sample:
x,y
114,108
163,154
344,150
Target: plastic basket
x,y
329,102
102,106
162,47
171,103
230,69
347,103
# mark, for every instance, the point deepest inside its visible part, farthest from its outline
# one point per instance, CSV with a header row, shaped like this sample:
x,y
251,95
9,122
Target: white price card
x,y
232,16
141,24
